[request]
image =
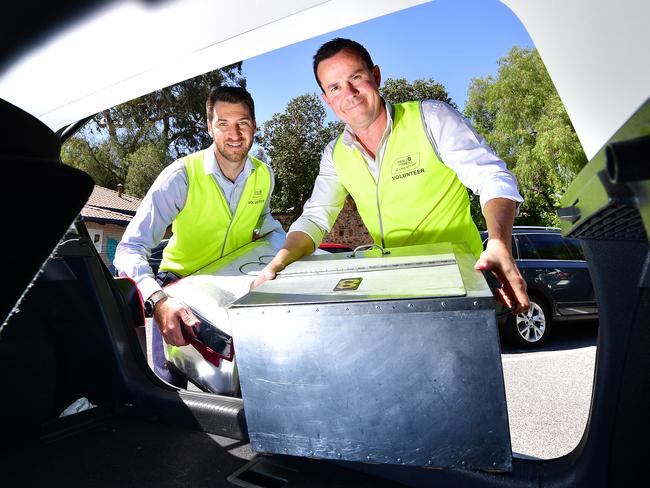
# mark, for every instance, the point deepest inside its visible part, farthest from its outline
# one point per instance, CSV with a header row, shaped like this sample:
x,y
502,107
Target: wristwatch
x,y
150,303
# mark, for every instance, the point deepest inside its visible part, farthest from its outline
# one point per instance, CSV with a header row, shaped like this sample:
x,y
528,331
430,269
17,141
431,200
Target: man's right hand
x,y
297,245
268,273
172,317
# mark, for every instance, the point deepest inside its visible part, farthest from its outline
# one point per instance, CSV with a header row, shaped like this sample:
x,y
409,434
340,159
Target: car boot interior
x,y
71,339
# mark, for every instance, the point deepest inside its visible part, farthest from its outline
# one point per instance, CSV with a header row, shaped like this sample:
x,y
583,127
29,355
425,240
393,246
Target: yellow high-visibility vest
x,y
205,229
417,200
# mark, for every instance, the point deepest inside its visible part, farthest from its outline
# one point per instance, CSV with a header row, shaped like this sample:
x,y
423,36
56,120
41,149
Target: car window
x,y
543,246
576,249
526,248
484,239
514,248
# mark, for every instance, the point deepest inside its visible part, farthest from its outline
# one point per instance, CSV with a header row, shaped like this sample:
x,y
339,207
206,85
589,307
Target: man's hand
x,y
269,272
173,318
297,245
497,259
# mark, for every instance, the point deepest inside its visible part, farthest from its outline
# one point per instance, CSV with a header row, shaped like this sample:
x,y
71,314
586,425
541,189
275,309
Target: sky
x,y
451,41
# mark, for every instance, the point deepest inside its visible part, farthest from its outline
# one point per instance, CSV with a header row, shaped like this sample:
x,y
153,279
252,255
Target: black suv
x,y
558,280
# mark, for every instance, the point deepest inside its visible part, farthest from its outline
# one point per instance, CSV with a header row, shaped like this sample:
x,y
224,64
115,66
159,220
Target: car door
x,y
581,281
557,269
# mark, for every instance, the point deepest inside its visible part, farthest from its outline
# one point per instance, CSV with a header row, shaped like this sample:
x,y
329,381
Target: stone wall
x,y
348,229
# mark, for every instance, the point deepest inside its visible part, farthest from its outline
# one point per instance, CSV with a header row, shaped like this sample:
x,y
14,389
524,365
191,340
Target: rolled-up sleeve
x,y
326,201
464,151
158,208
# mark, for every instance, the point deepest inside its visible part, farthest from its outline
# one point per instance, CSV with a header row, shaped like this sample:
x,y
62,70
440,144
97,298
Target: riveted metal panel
x,y
375,378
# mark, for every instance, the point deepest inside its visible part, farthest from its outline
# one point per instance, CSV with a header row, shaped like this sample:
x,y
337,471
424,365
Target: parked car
x,y
156,255
334,247
68,330
558,284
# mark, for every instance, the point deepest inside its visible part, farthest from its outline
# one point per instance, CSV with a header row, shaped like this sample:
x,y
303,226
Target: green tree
x,y
146,161
400,90
94,159
523,119
148,132
294,141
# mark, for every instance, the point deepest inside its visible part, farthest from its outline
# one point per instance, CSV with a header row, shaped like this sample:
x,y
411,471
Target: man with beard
x,y
216,200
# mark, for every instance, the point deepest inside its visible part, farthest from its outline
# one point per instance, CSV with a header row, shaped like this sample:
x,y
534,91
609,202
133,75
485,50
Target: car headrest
x,y
24,136
41,195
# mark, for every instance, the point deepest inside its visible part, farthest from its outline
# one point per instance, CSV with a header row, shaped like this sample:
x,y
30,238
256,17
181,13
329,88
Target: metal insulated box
x,y
380,358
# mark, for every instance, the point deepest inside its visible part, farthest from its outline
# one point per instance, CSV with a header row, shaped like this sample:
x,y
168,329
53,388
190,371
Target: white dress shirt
x,y
458,146
162,203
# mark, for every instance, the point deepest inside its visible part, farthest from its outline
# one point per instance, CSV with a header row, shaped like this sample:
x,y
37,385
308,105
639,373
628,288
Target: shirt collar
x,y
349,139
211,166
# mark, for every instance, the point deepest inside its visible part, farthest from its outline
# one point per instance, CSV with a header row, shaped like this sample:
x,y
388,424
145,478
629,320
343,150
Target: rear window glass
x,y
543,246
484,237
576,249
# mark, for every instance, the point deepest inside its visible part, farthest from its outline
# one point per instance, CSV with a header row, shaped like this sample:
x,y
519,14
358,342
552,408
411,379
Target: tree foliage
x,y
523,119
397,90
132,142
146,161
294,140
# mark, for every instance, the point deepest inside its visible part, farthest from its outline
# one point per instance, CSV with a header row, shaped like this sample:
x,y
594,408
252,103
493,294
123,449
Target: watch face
x,y
151,302
148,308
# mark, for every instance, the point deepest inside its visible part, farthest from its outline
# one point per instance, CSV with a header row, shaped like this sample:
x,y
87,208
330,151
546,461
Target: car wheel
x,y
531,329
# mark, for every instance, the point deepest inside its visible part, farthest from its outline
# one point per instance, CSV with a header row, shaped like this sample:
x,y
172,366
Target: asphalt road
x,y
548,391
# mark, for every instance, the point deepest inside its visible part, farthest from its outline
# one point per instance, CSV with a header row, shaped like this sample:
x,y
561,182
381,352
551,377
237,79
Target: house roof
x,y
110,199
107,206
95,214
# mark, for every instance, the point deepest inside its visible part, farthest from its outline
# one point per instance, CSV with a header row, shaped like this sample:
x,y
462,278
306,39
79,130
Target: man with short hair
x,y
216,200
406,166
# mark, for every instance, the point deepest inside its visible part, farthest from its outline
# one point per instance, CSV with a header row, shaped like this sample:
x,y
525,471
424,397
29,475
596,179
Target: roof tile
x,y
105,205
105,198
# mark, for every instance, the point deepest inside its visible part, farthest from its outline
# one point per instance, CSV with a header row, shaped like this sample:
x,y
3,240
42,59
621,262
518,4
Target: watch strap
x,y
155,297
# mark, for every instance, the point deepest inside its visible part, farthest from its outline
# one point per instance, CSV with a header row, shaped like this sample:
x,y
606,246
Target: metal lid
x,y
424,271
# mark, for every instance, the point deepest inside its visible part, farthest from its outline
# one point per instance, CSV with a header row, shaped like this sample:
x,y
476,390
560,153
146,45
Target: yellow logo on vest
x,y
256,198
406,166
348,284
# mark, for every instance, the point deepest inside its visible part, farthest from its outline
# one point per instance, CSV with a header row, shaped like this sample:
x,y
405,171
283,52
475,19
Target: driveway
x,y
549,391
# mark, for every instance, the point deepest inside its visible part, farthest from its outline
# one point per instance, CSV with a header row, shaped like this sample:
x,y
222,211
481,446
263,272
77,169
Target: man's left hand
x,y
498,259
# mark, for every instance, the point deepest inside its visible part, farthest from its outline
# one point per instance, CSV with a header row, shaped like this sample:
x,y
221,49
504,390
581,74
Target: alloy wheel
x,y
531,325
